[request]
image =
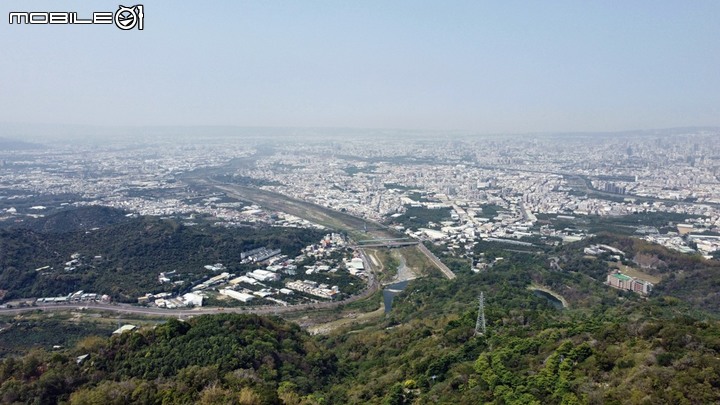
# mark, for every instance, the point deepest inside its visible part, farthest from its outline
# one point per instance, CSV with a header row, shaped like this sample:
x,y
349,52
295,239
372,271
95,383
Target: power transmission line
x,y
480,323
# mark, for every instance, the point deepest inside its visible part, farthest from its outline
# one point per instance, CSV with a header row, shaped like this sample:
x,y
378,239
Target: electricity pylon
x,y
480,323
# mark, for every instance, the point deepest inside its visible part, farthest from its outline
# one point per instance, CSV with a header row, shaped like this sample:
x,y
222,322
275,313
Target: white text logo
x,y
125,18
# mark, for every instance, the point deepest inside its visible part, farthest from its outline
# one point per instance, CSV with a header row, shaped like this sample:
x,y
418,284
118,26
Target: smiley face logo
x,y
126,18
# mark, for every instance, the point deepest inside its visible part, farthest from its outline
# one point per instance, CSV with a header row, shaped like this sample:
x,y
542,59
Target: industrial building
x,y
264,275
240,296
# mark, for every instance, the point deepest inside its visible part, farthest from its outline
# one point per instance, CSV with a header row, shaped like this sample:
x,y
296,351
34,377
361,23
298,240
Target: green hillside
x,y
210,359
123,258
74,219
607,347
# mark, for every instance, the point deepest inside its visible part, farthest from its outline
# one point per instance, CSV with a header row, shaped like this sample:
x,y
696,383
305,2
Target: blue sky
x,y
504,66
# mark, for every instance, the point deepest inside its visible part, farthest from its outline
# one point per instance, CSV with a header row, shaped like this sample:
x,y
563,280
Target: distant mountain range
x,y
92,133
13,144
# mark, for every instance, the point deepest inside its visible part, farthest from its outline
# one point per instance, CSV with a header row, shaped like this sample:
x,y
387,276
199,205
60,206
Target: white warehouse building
x,y
264,275
237,295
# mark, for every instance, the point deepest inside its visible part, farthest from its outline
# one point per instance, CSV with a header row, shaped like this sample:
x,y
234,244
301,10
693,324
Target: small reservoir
x,y
554,301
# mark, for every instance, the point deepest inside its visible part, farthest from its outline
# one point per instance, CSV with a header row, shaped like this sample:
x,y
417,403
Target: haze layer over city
x,y
375,174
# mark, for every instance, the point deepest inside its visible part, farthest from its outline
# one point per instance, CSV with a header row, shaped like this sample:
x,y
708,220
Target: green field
x,y
633,272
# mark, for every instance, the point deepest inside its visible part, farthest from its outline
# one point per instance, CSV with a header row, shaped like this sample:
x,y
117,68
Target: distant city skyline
x,y
476,66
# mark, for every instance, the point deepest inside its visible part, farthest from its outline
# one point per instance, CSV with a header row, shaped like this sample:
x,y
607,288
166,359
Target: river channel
x,y
390,291
403,277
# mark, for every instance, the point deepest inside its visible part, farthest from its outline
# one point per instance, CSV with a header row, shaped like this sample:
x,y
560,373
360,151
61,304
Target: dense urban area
x,y
495,187
360,203
590,259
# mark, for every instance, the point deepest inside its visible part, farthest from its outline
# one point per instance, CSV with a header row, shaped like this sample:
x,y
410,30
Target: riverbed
x,y
400,281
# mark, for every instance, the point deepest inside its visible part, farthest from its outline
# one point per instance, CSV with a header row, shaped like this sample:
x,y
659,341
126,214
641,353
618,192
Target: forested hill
x,y
608,347
209,360
690,278
123,259
75,219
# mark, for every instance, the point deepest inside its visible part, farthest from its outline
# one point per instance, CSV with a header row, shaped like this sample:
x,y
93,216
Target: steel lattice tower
x,y
480,324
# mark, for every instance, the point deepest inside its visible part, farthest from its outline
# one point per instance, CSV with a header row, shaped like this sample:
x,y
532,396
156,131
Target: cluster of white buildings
x,y
377,176
355,266
166,300
258,255
212,281
367,176
79,296
238,295
596,250
540,174
261,283
313,288
185,300
688,234
245,295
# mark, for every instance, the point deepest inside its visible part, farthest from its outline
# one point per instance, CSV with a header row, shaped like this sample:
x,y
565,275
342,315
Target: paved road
x,y
372,287
301,208
175,313
386,244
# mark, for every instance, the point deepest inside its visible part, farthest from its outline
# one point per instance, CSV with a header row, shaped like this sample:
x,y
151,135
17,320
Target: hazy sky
x,y
501,66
